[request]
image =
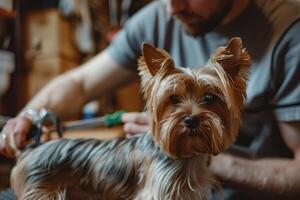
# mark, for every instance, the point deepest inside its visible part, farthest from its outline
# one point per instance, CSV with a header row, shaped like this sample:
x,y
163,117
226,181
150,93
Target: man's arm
x,y
278,177
66,94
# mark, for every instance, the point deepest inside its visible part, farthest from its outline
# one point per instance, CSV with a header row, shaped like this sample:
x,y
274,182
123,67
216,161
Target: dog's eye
x,y
174,99
209,98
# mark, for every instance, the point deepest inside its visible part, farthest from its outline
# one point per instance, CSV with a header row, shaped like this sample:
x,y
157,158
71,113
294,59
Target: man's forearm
x,y
66,94
63,95
269,176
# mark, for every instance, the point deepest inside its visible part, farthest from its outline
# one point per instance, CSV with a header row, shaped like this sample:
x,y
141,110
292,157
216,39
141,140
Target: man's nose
x,y
176,6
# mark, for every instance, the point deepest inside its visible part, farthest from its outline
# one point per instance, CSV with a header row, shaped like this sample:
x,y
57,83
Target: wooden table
x,y
103,133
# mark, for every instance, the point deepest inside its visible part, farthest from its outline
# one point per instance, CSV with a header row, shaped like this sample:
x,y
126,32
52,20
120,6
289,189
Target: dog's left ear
x,y
155,60
234,59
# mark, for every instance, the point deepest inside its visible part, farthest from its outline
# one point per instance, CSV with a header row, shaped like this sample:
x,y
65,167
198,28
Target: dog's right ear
x,y
155,60
234,59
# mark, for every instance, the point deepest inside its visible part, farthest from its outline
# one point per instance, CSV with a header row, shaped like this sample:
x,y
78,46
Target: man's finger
x,y
135,117
5,147
21,129
4,136
133,128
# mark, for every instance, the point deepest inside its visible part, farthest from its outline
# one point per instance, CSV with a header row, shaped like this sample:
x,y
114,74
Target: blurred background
x,y
40,39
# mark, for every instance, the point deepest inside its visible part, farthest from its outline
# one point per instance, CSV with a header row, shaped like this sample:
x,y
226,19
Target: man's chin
x,y
193,31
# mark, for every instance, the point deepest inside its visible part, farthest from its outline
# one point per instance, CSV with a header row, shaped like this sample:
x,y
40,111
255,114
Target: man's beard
x,y
198,26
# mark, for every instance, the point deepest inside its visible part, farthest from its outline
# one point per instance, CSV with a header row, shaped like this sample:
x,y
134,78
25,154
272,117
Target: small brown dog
x,y
195,113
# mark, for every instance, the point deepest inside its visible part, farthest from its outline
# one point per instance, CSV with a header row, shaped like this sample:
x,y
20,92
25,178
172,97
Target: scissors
x,y
46,117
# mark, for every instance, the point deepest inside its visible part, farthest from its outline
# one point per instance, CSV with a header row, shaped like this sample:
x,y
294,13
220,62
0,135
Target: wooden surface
x,y
102,133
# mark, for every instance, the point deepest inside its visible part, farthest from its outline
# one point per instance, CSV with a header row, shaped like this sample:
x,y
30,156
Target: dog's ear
x,y
155,60
235,62
233,58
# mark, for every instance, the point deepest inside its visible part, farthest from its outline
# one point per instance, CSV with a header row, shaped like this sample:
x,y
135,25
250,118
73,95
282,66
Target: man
x,y
189,30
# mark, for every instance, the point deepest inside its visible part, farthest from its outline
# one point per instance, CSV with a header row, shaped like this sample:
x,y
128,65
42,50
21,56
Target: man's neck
x,y
237,8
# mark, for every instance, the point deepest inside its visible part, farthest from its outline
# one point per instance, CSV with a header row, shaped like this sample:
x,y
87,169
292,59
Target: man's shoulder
x,y
279,11
281,19
278,4
292,32
290,40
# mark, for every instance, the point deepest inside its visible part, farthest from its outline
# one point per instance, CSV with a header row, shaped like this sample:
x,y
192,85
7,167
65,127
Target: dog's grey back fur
x,y
116,169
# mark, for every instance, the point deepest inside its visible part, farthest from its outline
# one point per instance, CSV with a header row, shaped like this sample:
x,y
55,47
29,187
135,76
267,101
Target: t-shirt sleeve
x,y
287,76
125,49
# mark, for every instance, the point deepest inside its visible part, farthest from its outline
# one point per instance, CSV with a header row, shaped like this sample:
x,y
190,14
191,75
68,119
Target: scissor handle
x,y
35,133
36,129
114,118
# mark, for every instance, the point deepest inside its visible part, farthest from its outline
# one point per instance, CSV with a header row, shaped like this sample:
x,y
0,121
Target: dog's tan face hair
x,y
195,110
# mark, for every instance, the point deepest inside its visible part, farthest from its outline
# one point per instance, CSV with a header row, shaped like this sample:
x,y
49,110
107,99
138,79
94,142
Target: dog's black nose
x,y
191,121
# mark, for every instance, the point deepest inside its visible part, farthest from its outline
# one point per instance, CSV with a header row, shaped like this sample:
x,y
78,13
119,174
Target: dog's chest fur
x,y
167,178
184,179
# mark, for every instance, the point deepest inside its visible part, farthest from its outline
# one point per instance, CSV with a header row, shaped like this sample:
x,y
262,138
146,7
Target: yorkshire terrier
x,y
195,113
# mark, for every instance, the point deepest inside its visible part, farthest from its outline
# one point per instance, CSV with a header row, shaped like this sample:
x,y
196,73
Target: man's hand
x,y
13,135
273,177
135,122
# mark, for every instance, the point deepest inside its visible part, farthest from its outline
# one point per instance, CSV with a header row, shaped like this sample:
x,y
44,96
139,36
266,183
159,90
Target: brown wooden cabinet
x,y
49,48
49,34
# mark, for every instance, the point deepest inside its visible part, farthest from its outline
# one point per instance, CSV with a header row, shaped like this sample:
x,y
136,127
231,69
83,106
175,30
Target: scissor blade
x,y
84,124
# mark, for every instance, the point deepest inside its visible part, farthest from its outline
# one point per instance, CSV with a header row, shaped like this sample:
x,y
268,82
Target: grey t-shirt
x,y
270,32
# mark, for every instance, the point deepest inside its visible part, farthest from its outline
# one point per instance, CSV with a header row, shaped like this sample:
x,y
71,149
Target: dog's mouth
x,y
207,137
192,132
182,139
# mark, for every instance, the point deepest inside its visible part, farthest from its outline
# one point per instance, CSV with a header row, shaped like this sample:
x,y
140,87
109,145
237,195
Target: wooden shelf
x,y
5,13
